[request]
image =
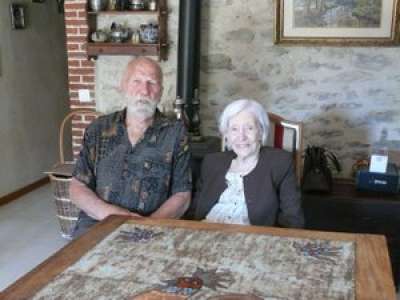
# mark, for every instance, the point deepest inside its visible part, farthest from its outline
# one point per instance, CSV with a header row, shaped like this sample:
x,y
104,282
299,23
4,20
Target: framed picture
x,y
17,16
337,22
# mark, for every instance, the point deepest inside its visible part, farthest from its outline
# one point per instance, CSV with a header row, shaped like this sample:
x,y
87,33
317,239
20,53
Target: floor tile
x,y
29,233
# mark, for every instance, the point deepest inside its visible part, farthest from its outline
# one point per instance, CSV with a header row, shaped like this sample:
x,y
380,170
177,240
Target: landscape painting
x,y
338,13
346,22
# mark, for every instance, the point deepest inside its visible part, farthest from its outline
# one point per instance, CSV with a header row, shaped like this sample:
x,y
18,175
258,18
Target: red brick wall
x,y
81,71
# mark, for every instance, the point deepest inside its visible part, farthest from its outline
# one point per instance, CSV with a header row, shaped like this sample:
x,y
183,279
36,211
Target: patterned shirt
x,y
139,177
231,207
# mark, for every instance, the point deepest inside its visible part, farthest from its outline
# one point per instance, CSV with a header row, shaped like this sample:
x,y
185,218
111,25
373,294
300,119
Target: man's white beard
x,y
141,107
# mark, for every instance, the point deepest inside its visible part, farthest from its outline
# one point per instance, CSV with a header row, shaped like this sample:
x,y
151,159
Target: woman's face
x,y
244,135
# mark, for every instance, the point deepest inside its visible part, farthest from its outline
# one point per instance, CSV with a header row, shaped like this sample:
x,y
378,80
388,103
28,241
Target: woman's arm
x,y
211,183
291,212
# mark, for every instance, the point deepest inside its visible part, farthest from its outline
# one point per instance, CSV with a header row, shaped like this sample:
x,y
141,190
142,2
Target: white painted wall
x,y
33,93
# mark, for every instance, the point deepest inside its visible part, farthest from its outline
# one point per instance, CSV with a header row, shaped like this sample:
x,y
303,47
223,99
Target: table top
x,y
372,270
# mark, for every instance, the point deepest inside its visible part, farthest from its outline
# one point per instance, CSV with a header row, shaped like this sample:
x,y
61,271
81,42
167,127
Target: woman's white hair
x,y
250,106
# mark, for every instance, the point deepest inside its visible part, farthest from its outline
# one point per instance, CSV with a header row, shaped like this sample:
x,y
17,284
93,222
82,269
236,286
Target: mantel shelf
x,y
94,49
123,12
159,49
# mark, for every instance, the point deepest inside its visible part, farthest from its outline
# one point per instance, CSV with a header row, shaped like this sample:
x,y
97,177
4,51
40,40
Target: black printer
x,y
387,182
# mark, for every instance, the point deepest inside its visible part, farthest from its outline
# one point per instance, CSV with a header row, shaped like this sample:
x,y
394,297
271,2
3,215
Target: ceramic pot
x,y
149,33
136,4
99,36
98,5
119,36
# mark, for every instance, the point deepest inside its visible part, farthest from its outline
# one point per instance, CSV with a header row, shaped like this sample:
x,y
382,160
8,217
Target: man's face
x,y
143,91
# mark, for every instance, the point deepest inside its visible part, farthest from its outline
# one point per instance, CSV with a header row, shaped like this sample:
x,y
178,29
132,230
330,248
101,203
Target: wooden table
x,y
372,275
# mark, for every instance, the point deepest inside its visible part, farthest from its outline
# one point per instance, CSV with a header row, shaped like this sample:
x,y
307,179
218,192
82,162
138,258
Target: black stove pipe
x,y
189,57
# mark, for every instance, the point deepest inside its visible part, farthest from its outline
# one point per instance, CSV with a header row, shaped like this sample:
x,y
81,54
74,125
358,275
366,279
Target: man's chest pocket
x,y
154,184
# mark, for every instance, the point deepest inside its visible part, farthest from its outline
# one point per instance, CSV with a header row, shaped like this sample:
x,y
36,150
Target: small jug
x,y
135,39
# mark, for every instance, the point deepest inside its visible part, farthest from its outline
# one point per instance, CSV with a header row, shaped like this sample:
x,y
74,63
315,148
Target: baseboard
x,y
25,190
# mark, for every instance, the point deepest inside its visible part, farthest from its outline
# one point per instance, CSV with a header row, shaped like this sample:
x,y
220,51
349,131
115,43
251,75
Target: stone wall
x,y
346,97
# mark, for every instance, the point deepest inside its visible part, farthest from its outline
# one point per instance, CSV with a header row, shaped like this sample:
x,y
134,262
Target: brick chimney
x,y
81,71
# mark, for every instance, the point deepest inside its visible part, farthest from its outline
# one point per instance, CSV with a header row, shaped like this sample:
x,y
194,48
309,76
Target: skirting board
x,y
25,190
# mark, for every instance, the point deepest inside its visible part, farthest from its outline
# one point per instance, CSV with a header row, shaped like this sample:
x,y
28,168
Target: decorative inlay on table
x,y
143,262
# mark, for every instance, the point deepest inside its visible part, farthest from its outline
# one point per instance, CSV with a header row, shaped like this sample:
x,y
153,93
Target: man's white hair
x,y
247,105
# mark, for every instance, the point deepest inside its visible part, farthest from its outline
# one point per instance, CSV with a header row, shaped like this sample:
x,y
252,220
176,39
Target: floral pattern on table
x,y
148,262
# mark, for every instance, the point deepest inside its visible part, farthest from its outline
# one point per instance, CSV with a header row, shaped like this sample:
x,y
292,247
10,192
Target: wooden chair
x,y
61,176
287,135
83,113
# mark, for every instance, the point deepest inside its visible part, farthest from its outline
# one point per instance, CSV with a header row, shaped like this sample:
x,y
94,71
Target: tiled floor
x,y
29,233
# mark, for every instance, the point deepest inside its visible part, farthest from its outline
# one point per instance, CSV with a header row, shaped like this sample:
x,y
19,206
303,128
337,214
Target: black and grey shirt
x,y
140,177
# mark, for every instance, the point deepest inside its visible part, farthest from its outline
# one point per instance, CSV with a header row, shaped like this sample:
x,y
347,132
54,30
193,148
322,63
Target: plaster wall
x,y
347,98
33,93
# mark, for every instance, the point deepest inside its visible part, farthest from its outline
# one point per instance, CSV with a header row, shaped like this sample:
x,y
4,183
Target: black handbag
x,y
317,174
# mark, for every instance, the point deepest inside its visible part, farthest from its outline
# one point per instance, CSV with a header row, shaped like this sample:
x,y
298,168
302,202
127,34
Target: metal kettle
x,y
136,4
98,5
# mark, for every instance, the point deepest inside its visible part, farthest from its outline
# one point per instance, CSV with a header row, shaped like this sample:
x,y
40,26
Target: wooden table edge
x,y
372,261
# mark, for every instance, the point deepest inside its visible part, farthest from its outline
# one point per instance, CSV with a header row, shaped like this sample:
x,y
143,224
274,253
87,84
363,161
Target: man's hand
x,y
174,207
91,204
116,210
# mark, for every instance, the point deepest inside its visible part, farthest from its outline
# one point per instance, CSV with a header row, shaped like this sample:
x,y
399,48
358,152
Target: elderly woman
x,y
251,184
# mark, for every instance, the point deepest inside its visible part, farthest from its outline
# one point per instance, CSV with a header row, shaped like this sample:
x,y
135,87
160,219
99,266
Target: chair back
x,y
287,135
80,113
61,175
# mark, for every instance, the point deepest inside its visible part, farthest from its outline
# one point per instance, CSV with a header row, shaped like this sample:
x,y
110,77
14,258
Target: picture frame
x,y
337,22
17,13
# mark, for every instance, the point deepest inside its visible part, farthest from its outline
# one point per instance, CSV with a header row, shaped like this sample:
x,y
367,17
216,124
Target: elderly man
x,y
134,162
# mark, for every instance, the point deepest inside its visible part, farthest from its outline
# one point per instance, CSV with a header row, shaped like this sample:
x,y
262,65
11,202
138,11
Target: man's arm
x,y
83,181
181,180
91,204
174,207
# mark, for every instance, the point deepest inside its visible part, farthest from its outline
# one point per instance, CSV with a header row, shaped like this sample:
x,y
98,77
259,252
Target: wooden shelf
x,y
160,49
94,49
122,12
